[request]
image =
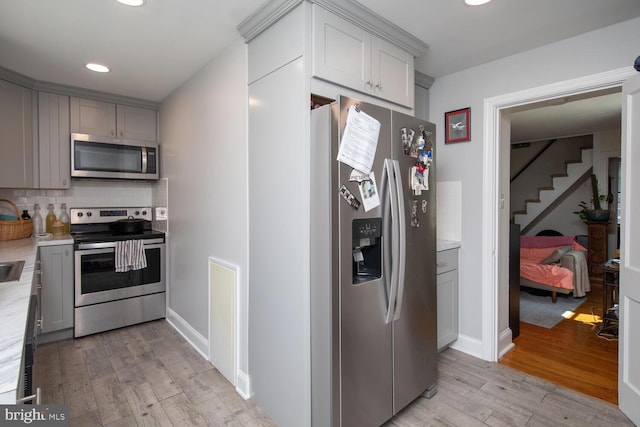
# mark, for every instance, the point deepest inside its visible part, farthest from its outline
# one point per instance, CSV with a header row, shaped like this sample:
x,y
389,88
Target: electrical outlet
x,y
162,214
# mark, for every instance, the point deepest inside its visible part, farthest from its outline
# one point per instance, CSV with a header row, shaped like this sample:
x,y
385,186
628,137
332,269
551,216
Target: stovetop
x,y
108,236
91,225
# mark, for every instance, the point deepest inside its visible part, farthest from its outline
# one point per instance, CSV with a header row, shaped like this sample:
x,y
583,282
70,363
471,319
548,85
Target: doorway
x,y
544,137
496,334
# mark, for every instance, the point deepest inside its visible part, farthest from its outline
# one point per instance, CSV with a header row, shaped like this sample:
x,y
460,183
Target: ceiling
x,y
152,50
567,116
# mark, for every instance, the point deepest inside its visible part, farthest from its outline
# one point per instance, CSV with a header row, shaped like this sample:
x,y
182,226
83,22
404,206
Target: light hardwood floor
x,y
571,354
148,375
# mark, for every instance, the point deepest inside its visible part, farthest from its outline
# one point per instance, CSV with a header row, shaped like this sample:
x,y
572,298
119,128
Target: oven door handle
x,y
148,244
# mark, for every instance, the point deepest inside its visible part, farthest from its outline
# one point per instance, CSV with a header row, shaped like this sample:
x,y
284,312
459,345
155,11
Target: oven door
x,y
97,281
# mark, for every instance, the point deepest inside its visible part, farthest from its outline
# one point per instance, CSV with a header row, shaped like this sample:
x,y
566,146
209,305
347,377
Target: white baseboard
x,y
201,344
243,387
197,341
505,342
471,346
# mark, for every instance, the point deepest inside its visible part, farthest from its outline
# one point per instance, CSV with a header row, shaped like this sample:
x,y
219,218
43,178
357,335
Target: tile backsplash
x,y
83,194
160,198
449,210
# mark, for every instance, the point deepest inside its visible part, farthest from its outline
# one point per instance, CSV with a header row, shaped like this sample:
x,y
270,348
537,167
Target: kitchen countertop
x,y
443,245
14,308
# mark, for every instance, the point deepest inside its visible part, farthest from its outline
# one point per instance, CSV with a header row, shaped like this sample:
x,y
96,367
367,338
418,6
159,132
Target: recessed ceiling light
x,y
98,68
131,2
476,2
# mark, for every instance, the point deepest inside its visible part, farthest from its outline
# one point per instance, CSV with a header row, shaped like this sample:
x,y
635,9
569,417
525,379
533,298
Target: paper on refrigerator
x,y
359,140
368,189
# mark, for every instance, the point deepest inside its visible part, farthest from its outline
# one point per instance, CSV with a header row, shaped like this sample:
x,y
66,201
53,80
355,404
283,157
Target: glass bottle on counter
x,y
64,218
25,214
51,217
38,227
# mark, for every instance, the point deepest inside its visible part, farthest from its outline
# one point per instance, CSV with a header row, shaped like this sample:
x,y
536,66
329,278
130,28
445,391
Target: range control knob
x,y
79,214
89,214
144,213
137,213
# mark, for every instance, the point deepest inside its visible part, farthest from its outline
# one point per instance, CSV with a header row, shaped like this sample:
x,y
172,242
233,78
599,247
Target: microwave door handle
x,y
144,160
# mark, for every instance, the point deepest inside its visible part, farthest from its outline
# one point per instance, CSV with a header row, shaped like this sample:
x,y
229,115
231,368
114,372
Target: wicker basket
x,y
18,229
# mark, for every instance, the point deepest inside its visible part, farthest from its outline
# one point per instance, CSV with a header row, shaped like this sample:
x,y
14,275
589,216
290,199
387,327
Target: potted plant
x,y
597,213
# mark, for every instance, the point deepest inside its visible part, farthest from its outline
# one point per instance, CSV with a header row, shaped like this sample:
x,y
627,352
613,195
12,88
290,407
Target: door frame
x,y
496,338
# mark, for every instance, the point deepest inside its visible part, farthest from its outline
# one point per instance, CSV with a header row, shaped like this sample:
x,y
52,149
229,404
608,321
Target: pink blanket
x,y
549,274
534,249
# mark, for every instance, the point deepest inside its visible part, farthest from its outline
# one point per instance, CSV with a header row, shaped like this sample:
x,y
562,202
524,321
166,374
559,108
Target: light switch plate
x,y
162,214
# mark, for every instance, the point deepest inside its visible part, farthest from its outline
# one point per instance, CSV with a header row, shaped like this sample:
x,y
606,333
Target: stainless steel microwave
x,y
102,157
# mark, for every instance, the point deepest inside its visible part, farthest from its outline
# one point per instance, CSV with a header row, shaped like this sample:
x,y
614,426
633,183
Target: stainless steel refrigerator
x,y
373,273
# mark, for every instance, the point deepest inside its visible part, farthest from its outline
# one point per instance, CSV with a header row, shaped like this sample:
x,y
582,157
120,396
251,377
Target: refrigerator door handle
x,y
402,235
395,238
386,241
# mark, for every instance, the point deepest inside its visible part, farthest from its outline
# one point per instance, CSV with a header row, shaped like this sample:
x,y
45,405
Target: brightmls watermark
x,y
34,415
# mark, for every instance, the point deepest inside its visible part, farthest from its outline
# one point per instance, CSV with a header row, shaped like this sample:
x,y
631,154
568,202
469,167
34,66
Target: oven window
x,y
98,272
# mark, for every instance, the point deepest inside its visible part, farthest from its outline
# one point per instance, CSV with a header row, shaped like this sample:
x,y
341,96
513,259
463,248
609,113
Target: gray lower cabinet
x,y
447,282
56,276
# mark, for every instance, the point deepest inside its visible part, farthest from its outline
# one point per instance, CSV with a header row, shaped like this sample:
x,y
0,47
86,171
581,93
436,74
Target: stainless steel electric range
x,y
106,299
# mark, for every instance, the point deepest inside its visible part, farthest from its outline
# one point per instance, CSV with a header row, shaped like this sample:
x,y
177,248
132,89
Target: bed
x,y
554,263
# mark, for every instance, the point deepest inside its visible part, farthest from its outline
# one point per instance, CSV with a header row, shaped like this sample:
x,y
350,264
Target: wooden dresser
x,y
597,254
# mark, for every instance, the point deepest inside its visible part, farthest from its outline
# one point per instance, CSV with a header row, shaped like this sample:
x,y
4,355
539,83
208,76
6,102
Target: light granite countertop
x,y
14,308
443,245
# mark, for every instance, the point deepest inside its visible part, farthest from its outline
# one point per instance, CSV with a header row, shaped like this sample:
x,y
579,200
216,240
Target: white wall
x,y
539,173
591,53
204,156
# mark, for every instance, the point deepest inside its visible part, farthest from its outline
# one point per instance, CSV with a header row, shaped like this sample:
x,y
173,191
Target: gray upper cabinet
x,y
111,120
53,141
346,54
16,136
136,123
93,117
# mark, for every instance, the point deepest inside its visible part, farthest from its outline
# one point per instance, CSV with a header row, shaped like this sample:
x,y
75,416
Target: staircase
x,y
576,173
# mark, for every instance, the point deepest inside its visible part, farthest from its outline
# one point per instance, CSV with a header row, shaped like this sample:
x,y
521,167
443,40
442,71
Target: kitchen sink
x,y
10,271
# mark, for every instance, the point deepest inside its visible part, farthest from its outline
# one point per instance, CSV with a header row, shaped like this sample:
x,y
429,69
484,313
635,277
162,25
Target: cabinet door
x,y
16,136
136,123
597,252
392,73
93,117
53,141
341,51
447,308
57,287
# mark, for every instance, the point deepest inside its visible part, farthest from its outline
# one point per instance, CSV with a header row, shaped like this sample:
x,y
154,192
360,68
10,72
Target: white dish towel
x,y
130,255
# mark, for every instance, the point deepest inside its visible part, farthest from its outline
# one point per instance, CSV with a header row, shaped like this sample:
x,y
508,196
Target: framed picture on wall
x,y
457,125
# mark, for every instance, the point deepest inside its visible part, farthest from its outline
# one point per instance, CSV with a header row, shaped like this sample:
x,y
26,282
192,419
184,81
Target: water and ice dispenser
x,y
366,237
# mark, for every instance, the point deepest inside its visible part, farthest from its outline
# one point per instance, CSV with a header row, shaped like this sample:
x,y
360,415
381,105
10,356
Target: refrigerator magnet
x,y
424,206
369,193
358,176
405,140
417,179
349,197
414,214
420,142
